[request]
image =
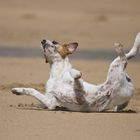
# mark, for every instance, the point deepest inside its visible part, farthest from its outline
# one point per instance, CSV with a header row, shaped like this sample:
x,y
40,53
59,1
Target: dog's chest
x,y
59,86
65,91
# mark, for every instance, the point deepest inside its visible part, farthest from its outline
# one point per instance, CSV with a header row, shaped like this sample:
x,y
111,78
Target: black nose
x,y
43,41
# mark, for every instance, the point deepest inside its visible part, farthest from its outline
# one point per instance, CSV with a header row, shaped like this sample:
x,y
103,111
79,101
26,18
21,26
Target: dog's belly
x,y
76,100
65,93
71,98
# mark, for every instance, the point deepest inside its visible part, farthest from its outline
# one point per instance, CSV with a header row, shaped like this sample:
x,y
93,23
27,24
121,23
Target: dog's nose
x,y
43,41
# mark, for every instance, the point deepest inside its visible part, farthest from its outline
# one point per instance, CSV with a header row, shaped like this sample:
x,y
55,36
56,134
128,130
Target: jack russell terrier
x,y
65,87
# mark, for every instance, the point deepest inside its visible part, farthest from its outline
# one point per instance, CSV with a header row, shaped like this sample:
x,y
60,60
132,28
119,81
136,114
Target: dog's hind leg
x,y
121,54
118,66
48,101
121,107
132,53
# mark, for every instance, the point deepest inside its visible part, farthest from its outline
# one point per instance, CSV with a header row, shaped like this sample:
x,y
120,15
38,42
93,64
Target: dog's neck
x,y
59,67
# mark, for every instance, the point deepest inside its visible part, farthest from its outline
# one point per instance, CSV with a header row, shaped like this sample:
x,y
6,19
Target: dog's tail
x,y
132,53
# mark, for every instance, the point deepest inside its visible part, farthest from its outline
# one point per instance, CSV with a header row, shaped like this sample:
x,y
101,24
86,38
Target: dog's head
x,y
53,51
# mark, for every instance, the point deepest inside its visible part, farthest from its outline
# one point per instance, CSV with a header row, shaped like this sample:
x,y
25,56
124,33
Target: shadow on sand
x,y
38,107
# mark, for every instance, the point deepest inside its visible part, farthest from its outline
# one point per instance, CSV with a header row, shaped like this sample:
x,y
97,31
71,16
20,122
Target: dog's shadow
x,y
39,107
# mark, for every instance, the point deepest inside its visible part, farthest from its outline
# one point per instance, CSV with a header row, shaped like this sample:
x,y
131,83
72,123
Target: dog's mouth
x,y
44,46
46,60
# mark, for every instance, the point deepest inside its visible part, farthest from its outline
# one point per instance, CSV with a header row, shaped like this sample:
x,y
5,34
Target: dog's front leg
x,y
47,100
75,73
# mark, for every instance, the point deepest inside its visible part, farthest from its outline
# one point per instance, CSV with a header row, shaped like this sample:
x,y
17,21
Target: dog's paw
x,y
76,74
119,49
79,75
17,91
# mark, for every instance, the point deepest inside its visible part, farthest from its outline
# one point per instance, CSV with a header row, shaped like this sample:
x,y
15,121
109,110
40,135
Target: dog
x,y
65,87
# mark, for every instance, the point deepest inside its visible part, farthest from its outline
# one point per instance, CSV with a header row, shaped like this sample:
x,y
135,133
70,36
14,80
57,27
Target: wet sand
x,y
88,54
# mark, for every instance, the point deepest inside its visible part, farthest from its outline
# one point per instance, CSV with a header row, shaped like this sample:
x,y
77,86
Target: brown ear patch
x,y
67,49
63,50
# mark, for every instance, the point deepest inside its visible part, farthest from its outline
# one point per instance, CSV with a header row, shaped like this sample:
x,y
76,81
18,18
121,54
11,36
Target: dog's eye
x,y
55,42
52,46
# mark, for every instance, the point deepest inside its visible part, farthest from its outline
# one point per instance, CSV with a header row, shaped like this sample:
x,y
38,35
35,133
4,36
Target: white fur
x,y
66,88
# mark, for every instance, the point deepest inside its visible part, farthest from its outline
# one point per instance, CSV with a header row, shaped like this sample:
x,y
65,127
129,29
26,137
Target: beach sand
x,y
20,117
94,25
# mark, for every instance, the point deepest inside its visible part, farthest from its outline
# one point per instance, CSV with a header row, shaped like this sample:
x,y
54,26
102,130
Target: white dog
x,y
65,87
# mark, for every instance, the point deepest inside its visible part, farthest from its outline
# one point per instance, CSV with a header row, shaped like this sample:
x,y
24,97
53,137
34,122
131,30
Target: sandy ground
x,y
95,24
21,119
92,23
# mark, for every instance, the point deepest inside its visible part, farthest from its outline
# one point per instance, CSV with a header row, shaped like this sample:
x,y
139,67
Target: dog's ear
x,y
71,47
67,49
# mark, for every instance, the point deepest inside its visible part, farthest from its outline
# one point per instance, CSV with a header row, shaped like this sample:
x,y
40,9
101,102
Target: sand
x,y
94,25
21,118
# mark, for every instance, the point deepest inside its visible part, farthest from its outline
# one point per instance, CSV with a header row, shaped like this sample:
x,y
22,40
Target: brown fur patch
x,y
62,49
